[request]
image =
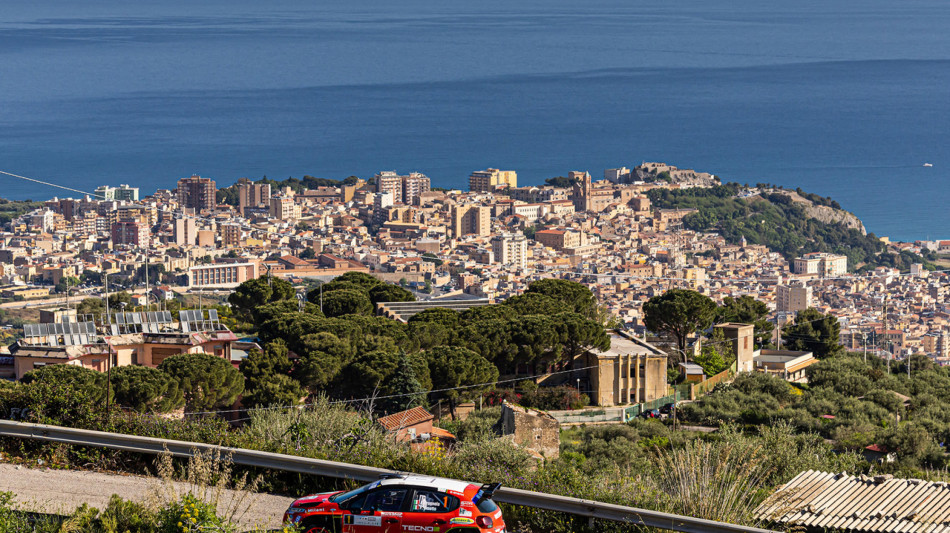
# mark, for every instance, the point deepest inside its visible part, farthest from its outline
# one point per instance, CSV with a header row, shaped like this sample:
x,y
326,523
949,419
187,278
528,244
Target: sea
x,y
845,99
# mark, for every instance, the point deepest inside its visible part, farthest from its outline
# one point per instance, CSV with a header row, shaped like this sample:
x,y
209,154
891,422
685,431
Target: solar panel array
x,y
194,320
146,322
77,333
60,334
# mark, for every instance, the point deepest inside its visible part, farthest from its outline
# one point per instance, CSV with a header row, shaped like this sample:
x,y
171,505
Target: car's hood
x,y
313,499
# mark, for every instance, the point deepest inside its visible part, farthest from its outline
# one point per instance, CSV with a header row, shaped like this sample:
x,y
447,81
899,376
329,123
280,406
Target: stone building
x,y
631,371
536,430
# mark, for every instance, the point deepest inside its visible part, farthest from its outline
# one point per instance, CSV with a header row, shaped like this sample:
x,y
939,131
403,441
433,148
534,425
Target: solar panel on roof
x,y
166,317
28,330
90,328
136,318
184,316
120,318
213,314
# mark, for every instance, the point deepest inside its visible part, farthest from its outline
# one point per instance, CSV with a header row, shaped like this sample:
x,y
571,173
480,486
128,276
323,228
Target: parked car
x,y
400,503
652,413
668,408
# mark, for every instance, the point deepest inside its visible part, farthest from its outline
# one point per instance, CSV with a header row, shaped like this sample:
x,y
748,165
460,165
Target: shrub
x,y
555,398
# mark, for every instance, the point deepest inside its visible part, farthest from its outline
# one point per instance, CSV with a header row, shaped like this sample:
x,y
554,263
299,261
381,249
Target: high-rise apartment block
x,y
492,178
197,193
405,189
131,233
252,194
185,232
471,220
823,264
284,208
511,249
122,192
231,235
793,297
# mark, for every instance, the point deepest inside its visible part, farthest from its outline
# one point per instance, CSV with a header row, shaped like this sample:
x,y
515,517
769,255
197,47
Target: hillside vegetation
x,y
780,222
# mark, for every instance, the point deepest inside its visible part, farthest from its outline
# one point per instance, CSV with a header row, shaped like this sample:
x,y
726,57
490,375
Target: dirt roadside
x,y
61,491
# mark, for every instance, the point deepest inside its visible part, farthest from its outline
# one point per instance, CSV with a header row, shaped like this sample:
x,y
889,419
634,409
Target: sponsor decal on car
x,y
461,520
464,512
357,520
420,528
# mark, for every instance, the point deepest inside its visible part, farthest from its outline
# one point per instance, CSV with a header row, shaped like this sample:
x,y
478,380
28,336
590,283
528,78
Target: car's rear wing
x,y
487,491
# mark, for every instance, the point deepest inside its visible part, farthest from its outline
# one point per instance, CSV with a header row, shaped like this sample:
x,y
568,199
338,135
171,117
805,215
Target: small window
x,y
430,501
386,500
486,505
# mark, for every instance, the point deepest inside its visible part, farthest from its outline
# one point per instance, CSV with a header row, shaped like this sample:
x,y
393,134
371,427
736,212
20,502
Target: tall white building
x,y
511,249
405,189
186,231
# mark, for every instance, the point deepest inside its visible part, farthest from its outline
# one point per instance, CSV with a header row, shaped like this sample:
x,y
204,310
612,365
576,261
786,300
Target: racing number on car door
x,y
431,510
381,512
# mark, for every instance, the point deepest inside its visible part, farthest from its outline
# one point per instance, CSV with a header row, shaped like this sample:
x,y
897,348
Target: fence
x,y
634,411
696,389
305,465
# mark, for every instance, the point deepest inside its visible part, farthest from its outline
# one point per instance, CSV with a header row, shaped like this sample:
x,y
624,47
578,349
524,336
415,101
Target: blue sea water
x,y
846,99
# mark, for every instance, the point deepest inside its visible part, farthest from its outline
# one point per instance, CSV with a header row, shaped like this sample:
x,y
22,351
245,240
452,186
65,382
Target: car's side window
x,y
431,501
386,499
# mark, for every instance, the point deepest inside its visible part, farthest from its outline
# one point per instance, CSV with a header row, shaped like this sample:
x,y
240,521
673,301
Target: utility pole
x,y
887,350
146,280
864,335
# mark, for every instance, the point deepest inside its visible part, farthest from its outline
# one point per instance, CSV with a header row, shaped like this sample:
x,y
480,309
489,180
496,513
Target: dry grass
x,y
714,480
209,477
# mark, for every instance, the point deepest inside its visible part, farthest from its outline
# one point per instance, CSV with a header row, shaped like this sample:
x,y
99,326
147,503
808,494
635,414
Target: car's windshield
x,y
343,496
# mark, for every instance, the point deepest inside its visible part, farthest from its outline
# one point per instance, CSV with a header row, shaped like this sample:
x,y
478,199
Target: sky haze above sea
x,y
846,99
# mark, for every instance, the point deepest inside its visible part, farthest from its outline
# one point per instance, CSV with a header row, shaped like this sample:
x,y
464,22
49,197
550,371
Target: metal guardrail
x,y
305,465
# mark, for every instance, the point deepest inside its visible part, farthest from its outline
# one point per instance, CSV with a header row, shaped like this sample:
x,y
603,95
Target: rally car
x,y
400,503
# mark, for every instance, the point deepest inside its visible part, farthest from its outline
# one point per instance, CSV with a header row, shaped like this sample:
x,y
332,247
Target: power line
x,y
48,184
407,395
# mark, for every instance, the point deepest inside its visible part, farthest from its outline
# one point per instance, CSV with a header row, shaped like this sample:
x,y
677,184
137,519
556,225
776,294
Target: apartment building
x,y
284,208
793,297
252,194
185,232
822,264
511,249
404,189
120,193
197,193
471,220
130,233
492,178
558,239
231,235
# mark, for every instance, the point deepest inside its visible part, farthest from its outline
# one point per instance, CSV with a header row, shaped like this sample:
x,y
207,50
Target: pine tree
x,y
405,386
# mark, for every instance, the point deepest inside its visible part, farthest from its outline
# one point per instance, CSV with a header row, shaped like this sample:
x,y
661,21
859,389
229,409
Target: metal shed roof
x,y
860,503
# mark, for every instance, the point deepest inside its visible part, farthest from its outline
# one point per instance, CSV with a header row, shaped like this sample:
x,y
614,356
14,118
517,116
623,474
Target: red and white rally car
x,y
401,503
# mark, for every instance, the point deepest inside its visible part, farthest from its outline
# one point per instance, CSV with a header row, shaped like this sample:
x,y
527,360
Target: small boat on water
x,y
928,164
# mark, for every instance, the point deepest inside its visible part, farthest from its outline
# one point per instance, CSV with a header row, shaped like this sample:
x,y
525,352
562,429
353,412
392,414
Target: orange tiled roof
x,y
404,419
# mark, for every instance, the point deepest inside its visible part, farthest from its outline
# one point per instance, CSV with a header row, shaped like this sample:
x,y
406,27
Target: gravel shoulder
x,y
61,491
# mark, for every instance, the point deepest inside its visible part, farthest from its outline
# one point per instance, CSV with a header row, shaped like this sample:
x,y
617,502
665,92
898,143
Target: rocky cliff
x,y
826,214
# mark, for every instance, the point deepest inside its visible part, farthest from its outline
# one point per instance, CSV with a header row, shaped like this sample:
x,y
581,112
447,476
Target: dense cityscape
x,y
470,325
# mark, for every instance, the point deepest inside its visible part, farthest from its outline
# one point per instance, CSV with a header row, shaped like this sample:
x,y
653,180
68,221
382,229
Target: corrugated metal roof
x,y
860,503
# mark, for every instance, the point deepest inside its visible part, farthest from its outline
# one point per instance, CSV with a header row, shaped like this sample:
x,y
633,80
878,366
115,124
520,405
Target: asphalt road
x,y
61,491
